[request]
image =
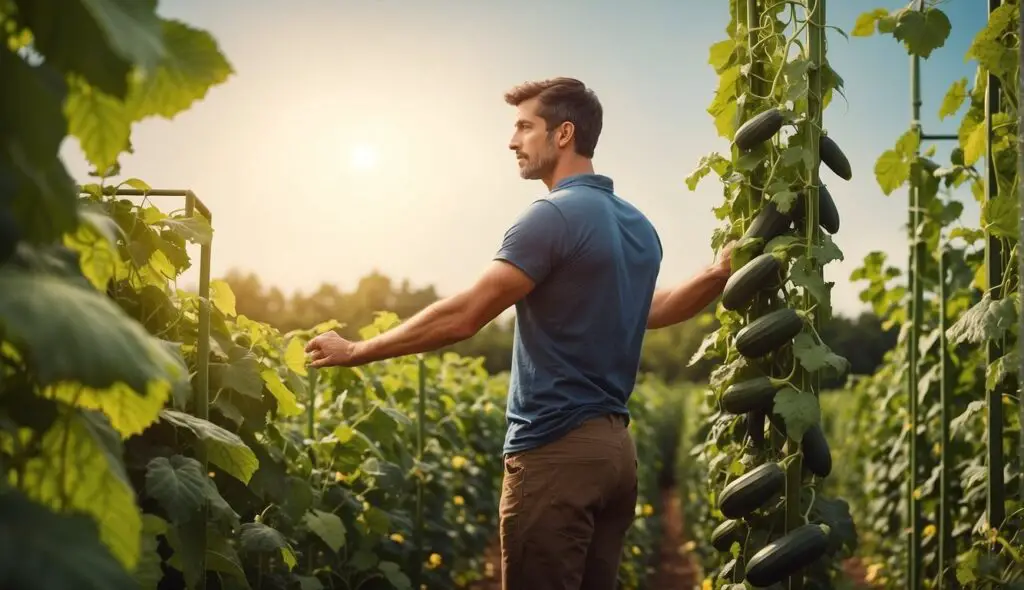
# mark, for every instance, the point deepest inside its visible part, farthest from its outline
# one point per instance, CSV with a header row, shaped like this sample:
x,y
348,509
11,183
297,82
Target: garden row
x,y
931,444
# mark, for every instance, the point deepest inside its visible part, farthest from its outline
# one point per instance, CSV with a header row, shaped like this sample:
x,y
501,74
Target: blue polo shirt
x,y
595,259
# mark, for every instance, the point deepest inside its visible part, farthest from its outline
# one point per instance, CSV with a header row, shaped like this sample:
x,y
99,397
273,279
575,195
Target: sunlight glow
x,y
363,157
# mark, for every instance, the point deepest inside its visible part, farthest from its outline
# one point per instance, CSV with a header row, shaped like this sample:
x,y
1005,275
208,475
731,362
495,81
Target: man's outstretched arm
x,y
671,306
444,322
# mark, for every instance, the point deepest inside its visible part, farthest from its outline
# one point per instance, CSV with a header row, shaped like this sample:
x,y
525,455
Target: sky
x,y
372,135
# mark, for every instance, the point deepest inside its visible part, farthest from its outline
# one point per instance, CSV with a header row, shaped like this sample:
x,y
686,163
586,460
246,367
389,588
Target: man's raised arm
x,y
677,304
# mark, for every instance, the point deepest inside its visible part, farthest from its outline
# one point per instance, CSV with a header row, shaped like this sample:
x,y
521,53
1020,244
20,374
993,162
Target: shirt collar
x,y
595,180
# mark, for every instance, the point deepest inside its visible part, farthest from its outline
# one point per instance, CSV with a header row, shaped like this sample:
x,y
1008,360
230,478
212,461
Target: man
x,y
580,266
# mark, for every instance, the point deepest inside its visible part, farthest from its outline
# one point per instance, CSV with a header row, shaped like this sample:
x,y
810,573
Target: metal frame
x,y
202,390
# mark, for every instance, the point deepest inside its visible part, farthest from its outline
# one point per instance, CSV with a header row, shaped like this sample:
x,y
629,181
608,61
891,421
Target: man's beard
x,y
536,167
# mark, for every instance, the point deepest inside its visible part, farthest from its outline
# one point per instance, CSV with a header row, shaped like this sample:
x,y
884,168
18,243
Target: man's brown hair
x,y
564,99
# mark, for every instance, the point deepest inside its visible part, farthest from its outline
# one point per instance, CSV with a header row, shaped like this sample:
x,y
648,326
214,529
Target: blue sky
x,y
418,85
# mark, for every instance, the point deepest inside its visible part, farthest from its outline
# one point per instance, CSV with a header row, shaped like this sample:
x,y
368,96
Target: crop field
x,y
155,437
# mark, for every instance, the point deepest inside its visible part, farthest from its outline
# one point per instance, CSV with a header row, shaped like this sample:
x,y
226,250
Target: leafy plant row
x,y
294,479
961,313
764,451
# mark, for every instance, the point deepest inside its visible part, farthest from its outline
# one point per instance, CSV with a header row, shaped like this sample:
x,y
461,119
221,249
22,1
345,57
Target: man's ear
x,y
566,132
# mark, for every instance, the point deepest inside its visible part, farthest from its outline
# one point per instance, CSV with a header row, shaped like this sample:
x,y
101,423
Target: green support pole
x,y
311,409
946,546
421,418
994,257
1020,254
914,316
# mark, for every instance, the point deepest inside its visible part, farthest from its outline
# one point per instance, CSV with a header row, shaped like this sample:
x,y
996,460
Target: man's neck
x,y
568,167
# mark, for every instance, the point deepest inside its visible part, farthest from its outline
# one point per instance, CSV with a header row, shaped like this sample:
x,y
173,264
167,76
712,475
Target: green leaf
x,y
32,120
974,147
241,374
98,39
192,65
100,123
954,99
327,526
179,484
815,356
988,48
1000,368
801,274
79,468
989,319
222,297
799,410
393,572
195,229
720,54
58,325
295,357
891,171
256,537
922,31
999,216
865,25
43,549
286,401
225,449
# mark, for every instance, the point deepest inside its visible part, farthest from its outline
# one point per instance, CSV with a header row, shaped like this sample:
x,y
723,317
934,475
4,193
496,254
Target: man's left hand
x,y
330,350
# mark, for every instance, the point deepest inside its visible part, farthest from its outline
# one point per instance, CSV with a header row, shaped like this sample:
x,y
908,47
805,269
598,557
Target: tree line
x,y
666,352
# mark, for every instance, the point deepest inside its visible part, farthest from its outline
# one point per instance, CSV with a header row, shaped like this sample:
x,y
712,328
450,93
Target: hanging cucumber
x,y
753,394
758,129
752,490
763,272
728,532
834,158
768,332
788,554
769,223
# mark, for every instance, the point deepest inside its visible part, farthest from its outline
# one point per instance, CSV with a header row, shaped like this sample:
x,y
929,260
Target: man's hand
x,y
724,264
330,350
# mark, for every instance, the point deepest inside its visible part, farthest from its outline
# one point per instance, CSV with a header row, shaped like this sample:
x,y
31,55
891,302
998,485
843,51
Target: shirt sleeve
x,y
535,243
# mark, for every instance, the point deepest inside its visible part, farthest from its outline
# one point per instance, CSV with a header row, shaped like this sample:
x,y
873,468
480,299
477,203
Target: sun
x,y
363,157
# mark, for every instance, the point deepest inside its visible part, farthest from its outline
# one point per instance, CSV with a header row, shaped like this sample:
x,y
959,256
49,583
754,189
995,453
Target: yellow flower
x,y
397,538
929,530
648,510
434,561
338,476
459,500
707,585
458,461
688,546
636,550
212,474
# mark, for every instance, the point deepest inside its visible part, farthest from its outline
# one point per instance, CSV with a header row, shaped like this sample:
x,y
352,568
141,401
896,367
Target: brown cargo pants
x,y
566,507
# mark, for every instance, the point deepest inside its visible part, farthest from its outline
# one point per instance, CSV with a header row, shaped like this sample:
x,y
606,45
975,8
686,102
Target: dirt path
x,y
676,569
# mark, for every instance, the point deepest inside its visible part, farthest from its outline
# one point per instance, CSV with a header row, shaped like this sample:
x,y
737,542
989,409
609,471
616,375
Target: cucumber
x,y
758,129
834,158
753,394
727,533
763,272
769,223
817,456
788,554
768,333
828,214
752,490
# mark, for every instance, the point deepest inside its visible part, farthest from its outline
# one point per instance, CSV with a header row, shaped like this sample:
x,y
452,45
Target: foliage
x,y
281,477
977,312
665,352
773,59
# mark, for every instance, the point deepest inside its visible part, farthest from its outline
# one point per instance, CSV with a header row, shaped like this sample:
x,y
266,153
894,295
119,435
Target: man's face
x,y
535,150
